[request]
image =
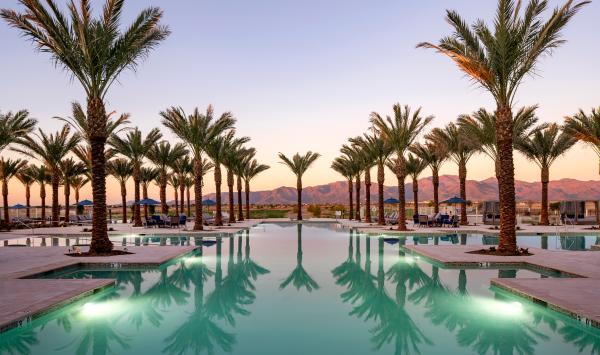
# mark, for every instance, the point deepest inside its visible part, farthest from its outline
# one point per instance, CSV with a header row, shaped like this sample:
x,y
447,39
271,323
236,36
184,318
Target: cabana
x,y
579,212
491,212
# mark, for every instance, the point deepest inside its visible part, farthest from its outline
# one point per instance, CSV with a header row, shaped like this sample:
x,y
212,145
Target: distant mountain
x,y
337,192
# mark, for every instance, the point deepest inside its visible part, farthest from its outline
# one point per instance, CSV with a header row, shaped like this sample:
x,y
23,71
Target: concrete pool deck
x,y
25,299
575,297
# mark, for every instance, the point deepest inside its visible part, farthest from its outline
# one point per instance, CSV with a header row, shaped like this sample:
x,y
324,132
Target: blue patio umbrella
x,y
18,207
208,202
454,201
148,202
85,203
391,200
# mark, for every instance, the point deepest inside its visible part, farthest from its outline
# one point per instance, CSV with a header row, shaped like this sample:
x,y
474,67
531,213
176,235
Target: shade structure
x,y
391,200
208,202
18,206
148,202
454,200
85,203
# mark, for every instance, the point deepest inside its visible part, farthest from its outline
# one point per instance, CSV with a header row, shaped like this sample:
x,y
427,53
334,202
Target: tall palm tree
x,y
50,149
42,176
9,168
251,170
543,146
121,169
217,150
163,155
460,147
414,167
196,131
400,132
235,153
182,167
364,161
77,183
70,169
188,183
27,177
498,60
243,157
369,157
344,166
95,51
482,126
147,175
135,147
13,126
175,183
298,164
434,155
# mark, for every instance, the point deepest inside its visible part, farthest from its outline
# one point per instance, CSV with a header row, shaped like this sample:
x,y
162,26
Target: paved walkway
x,y
577,297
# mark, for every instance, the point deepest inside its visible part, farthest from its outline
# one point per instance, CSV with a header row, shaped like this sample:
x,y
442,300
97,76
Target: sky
x,y
305,75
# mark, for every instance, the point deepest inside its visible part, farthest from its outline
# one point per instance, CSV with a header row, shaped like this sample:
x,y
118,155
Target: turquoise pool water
x,y
301,289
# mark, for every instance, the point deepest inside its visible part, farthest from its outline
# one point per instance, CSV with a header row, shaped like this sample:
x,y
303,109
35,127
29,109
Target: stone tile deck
x,y
24,299
576,297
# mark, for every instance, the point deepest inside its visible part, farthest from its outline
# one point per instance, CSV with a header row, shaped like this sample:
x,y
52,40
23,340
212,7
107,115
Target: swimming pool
x,y
301,289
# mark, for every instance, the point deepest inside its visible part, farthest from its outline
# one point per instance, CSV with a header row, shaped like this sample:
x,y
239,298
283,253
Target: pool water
x,y
301,289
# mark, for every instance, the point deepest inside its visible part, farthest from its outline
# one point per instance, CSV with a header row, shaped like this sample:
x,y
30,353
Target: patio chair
x,y
207,219
158,222
150,222
173,221
416,220
423,220
182,219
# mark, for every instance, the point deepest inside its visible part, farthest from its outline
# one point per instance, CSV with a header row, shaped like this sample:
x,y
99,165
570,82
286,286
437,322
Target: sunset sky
x,y
304,75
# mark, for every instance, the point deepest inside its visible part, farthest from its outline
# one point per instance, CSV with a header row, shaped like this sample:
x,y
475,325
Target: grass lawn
x,y
267,213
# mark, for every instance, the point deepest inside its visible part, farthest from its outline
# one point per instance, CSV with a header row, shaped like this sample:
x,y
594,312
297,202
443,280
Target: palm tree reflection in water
x,y
299,276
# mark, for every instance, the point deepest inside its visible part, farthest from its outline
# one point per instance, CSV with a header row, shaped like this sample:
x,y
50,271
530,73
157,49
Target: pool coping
x,y
552,293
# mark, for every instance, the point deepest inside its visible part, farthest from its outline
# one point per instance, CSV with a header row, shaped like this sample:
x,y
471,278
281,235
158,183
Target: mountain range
x,y
337,192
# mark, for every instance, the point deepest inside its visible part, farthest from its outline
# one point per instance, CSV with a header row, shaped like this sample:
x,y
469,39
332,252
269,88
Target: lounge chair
x,y
150,222
423,220
172,221
207,219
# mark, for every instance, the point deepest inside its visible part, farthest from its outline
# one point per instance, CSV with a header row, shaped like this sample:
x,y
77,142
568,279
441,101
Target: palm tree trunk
x,y
506,179
5,201
299,191
97,130
176,196
218,213
67,191
368,195
182,194
163,197
55,208
189,204
137,216
416,195
247,181
230,188
145,196
28,200
435,180
357,185
76,197
239,197
198,193
462,177
380,182
401,175
43,198
124,201
350,198
545,180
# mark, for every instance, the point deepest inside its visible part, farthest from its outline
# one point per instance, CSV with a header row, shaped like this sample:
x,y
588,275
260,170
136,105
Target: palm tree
x,y
343,166
121,169
182,167
9,168
482,126
188,183
27,177
135,148
77,183
243,157
42,176
380,151
163,155
174,181
414,167
543,146
234,155
498,60
251,170
147,175
369,156
50,150
13,126
460,147
95,52
585,128
298,164
400,131
70,169
434,155
197,130
217,150
360,163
